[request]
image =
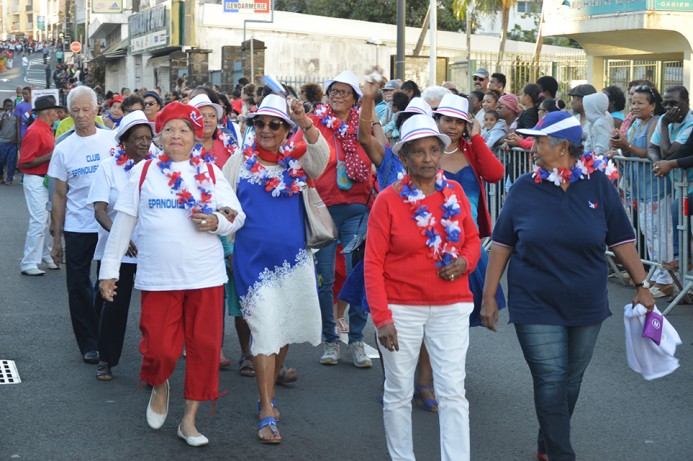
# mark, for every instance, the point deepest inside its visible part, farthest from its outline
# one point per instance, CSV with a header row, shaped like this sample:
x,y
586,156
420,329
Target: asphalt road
x,y
60,412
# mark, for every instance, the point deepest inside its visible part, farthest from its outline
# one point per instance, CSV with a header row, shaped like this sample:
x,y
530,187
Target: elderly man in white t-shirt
x,y
74,162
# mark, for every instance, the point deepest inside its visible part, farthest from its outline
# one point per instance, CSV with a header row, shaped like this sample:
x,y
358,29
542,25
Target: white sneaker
x,y
358,353
330,355
51,265
33,271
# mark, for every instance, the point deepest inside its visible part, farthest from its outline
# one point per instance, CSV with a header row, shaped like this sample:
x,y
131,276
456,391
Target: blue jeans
x,y
557,357
8,159
346,217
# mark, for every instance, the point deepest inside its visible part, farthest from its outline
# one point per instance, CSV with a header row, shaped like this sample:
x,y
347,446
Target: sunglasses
x,y
260,124
340,93
645,88
478,79
151,103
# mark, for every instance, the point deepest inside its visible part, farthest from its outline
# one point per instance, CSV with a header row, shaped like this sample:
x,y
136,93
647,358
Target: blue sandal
x,y
430,405
274,405
272,424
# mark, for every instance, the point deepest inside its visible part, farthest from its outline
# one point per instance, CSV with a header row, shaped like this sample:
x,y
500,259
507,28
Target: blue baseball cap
x,y
559,124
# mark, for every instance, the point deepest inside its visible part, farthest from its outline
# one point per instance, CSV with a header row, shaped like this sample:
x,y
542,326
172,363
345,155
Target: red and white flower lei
x,y
584,167
357,169
292,178
442,249
202,162
123,159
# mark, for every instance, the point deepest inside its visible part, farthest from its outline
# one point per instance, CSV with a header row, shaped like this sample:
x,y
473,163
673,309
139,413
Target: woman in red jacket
x,y
422,244
470,162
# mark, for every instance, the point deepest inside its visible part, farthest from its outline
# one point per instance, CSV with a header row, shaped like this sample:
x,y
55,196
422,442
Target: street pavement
x,y
61,412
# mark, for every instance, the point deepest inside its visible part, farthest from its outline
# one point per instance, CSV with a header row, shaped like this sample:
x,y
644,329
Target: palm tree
x,y
461,7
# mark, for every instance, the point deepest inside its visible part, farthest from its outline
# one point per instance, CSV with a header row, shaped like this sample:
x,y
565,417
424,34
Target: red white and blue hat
x,y
416,106
559,124
348,78
274,106
416,127
455,106
202,100
131,120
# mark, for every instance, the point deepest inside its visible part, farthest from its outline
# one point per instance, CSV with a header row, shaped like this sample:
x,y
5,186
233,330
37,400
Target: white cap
x,y
202,100
417,127
455,106
348,78
131,120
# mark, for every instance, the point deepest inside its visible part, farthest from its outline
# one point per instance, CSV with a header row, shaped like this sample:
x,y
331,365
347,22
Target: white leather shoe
x,y
156,420
33,271
51,265
198,441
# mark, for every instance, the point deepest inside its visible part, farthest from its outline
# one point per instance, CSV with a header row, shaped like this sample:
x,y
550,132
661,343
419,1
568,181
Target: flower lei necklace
x,y
441,248
229,143
346,133
293,178
123,159
198,157
584,167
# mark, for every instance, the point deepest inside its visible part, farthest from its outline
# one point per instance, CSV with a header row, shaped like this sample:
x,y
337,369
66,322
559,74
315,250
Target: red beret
x,y
116,98
176,110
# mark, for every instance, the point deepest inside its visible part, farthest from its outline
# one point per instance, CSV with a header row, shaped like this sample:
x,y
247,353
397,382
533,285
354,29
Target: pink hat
x,y
511,102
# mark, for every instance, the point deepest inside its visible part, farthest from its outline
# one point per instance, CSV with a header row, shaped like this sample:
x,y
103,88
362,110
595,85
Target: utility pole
x,y
399,59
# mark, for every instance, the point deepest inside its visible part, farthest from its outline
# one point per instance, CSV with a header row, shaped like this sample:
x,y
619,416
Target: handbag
x,y
320,228
357,247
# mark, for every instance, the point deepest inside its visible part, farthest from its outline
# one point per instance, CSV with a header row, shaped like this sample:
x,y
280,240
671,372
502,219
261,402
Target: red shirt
x,y
38,141
487,168
398,268
326,184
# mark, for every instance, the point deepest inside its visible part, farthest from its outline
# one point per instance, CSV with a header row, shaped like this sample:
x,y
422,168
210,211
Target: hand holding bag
x,y
320,228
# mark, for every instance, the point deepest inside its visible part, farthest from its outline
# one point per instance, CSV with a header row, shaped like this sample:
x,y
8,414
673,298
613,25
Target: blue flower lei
x,y
584,167
293,177
198,157
124,160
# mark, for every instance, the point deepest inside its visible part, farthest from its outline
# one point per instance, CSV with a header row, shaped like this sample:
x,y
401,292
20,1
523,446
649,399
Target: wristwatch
x,y
644,284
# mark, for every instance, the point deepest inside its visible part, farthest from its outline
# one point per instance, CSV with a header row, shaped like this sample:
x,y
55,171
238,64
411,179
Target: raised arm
x,y
374,148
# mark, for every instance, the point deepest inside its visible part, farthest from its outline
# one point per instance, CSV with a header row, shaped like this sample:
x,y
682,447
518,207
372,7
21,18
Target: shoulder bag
x,y
320,228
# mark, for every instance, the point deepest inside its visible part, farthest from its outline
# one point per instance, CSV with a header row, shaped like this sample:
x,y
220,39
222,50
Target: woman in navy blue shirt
x,y
553,230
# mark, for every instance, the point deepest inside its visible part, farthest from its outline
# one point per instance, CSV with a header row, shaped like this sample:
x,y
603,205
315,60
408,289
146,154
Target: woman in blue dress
x,y
472,164
274,272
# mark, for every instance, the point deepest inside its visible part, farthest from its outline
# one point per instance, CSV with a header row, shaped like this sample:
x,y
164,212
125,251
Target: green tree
x,y
487,7
383,11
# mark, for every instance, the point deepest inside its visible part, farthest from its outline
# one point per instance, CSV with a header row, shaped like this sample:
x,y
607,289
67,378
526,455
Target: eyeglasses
x,y
501,107
340,93
151,103
260,124
478,79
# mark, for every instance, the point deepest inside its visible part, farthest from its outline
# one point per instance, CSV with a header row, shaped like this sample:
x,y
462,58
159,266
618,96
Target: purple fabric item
x,y
653,327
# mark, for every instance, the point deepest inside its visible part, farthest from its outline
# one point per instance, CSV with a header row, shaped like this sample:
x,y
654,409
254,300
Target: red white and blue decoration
x,y
122,159
202,161
584,167
292,178
442,248
346,132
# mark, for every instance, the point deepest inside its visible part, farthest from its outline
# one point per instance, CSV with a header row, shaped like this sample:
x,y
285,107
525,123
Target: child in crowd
x,y
494,128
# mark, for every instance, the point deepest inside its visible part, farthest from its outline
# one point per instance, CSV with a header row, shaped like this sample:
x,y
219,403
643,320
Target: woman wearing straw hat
x,y
180,267
422,244
273,270
470,162
344,187
134,137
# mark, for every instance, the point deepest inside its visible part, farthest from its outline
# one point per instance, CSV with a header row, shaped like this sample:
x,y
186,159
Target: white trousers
x,y
655,223
38,241
445,330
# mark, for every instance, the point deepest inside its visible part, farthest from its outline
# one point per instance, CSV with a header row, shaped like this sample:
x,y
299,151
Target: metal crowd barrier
x,y
649,202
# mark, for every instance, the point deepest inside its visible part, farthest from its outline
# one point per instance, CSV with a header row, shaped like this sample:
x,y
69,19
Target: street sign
x,y
247,7
75,47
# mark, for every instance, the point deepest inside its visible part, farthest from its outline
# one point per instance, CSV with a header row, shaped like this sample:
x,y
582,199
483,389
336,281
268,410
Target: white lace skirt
x,y
282,307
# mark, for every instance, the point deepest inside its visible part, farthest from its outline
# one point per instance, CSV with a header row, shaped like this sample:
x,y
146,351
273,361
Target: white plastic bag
x,y
644,356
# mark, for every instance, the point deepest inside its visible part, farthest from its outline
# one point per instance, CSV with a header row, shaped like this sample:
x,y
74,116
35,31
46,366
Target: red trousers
x,y
170,319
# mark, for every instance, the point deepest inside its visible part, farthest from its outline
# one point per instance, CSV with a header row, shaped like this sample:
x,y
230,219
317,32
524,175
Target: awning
x,y
119,50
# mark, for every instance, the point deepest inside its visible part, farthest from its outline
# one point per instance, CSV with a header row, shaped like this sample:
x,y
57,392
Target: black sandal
x,y
103,372
247,368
